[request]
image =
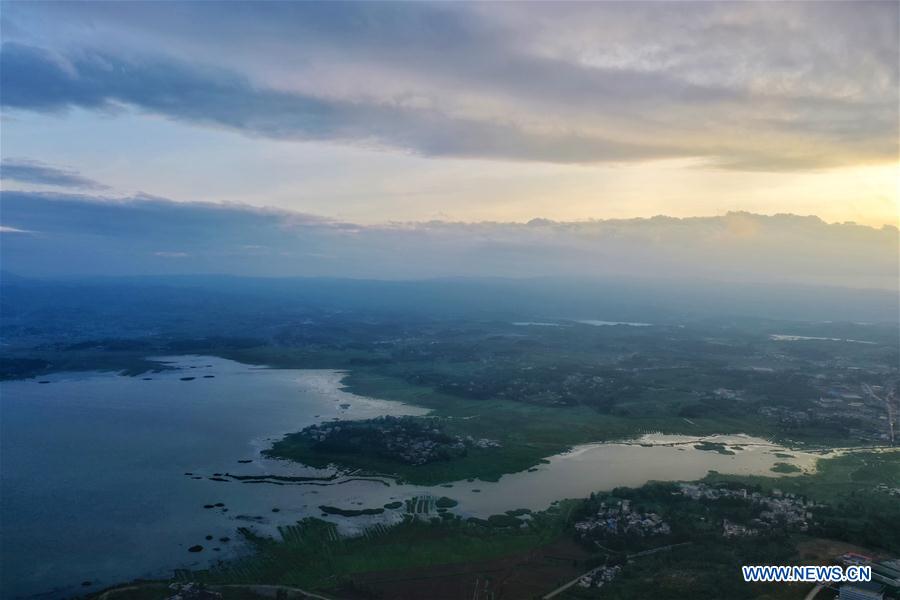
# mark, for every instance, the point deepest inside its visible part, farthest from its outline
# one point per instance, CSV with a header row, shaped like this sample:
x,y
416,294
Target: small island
x,y
713,447
783,467
411,441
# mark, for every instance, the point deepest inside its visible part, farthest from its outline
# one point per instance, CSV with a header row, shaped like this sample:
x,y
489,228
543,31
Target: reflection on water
x,y
107,478
594,467
93,479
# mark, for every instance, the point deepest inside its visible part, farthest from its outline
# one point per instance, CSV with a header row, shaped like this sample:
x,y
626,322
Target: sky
x,y
740,141
381,112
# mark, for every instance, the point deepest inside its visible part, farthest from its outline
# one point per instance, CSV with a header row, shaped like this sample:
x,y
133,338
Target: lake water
x,y
94,482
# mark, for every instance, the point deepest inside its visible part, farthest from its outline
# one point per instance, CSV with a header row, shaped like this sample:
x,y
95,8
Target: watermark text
x,y
806,573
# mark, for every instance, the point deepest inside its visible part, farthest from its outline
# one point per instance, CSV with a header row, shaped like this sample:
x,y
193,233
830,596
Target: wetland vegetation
x,y
726,521
503,397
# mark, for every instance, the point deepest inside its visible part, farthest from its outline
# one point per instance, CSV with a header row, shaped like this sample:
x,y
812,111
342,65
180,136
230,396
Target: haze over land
x,y
52,234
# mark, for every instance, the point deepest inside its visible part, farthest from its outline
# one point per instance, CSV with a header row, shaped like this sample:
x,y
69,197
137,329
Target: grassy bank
x,y
312,555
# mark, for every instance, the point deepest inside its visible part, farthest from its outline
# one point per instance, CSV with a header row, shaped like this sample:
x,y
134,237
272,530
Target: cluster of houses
x,y
730,529
405,439
846,401
621,519
481,442
893,491
786,416
779,508
192,591
597,577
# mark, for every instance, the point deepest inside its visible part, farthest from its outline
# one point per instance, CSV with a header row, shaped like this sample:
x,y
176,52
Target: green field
x,y
312,555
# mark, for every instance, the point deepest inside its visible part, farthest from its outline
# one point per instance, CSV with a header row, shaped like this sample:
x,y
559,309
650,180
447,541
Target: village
x,y
622,519
784,509
404,439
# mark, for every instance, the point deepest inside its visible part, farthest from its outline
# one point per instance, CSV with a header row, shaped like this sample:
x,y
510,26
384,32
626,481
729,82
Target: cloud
x,y
746,86
34,79
140,236
30,171
7,229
